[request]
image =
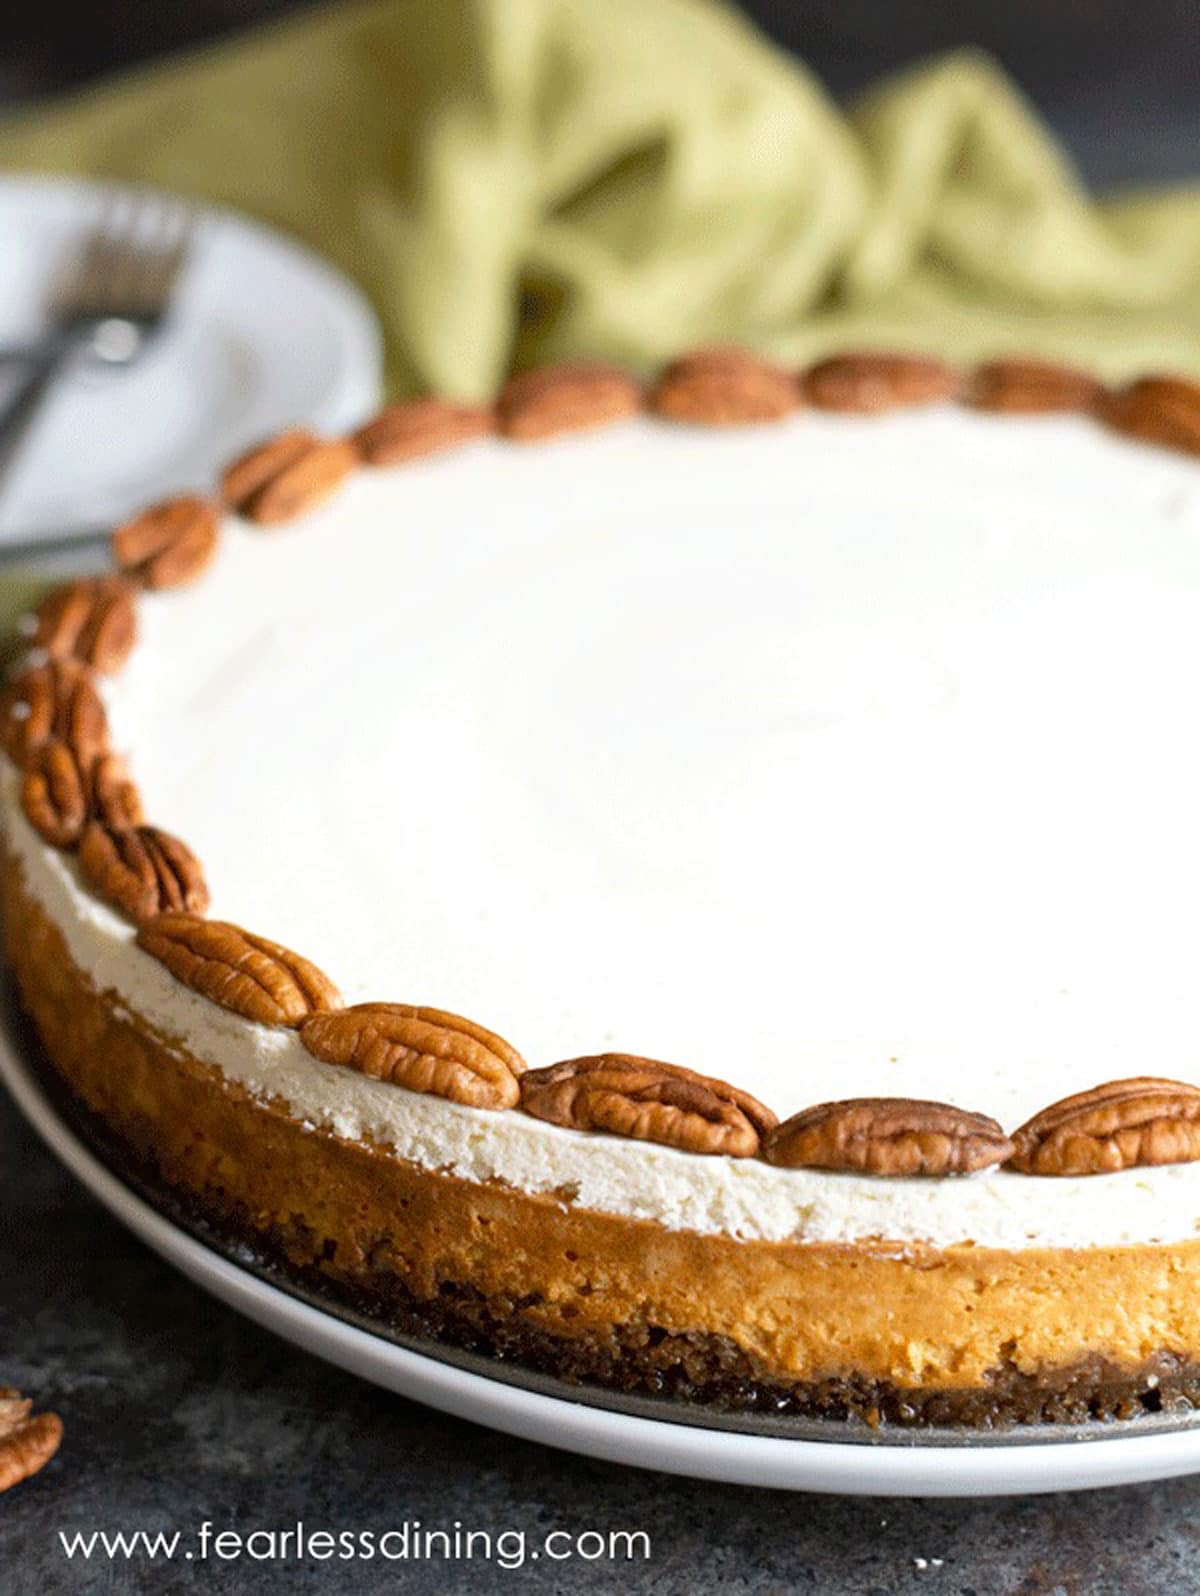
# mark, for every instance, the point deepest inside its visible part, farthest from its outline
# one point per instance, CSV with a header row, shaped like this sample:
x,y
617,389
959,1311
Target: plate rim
x,y
724,1456
357,387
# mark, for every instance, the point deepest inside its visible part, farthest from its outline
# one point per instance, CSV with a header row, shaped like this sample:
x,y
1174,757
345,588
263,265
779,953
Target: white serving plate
x,y
263,334
1024,1462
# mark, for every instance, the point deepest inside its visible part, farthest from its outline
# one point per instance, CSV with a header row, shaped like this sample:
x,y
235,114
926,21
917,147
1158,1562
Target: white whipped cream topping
x,y
835,758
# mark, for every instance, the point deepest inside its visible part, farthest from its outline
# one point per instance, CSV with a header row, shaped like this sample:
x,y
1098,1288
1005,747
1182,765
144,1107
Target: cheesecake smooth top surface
x,y
841,757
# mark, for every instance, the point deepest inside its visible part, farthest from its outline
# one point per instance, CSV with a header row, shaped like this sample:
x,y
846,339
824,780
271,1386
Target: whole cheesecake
x,y
690,889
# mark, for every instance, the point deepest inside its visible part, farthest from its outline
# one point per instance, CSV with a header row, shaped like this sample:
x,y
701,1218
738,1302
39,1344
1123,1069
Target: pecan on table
x,y
28,1440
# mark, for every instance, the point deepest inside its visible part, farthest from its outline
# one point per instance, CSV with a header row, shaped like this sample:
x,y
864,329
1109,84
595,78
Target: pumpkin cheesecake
x,y
688,886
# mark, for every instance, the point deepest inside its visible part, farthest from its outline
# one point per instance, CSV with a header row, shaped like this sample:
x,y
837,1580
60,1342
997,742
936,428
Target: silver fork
x,y
109,301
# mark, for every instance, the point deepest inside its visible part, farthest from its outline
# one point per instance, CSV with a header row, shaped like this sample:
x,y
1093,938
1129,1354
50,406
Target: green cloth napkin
x,y
513,180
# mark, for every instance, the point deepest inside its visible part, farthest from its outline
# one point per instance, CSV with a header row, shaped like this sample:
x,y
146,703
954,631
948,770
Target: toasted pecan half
x,y
242,479
568,397
424,1049
1162,410
888,1136
648,1100
27,1440
868,383
725,387
1144,1120
169,544
415,427
92,619
290,481
55,699
246,973
1031,387
60,795
112,795
54,794
141,870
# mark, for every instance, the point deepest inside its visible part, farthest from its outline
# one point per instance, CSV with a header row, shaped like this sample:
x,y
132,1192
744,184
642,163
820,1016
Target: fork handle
x,y
19,414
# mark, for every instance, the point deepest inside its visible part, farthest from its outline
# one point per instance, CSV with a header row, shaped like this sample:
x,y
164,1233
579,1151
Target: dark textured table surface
x,y
178,1412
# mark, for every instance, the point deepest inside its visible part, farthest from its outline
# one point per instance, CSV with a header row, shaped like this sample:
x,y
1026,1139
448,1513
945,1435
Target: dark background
x,y
1120,79
178,1411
